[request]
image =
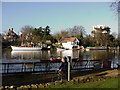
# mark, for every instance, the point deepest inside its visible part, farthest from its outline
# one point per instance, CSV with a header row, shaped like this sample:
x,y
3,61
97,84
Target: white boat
x,y
96,48
46,48
23,48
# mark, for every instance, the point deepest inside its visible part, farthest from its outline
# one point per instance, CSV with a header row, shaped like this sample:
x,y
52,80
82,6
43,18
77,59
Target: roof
x,y
71,39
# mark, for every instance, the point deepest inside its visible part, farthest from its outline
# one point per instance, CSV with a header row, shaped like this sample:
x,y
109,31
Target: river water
x,y
8,55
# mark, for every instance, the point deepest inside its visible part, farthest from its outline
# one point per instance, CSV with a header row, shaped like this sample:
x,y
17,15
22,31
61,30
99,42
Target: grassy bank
x,y
86,82
103,79
106,83
28,78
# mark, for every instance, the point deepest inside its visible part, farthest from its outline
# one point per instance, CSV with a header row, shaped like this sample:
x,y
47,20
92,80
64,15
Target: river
x,y
8,55
35,56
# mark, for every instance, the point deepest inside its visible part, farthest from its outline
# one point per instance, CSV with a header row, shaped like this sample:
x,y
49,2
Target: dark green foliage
x,y
43,34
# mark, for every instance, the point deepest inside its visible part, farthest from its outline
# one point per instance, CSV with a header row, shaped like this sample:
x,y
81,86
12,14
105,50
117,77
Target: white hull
x,y
97,48
14,48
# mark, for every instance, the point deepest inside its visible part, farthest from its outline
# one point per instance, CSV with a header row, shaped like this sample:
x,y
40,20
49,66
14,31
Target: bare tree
x,y
27,34
64,33
76,31
115,6
27,29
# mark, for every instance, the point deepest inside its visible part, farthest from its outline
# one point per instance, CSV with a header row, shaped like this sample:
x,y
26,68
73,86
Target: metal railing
x,y
49,67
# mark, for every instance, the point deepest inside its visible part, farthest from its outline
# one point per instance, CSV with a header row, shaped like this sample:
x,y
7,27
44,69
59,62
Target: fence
x,y
51,67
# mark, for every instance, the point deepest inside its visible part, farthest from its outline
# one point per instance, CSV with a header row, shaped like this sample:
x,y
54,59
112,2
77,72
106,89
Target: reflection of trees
x,y
102,55
6,54
54,53
118,55
44,55
75,54
81,54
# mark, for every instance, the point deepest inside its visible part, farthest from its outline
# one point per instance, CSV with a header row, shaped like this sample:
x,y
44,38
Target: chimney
x,y
12,29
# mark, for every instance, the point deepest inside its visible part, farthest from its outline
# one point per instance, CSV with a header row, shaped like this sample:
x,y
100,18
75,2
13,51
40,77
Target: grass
x,y
107,83
105,79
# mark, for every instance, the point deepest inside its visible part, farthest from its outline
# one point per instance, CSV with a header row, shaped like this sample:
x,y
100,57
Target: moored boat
x,y
23,48
96,48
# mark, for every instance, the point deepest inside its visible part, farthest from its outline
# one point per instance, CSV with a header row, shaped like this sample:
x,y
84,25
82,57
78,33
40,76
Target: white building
x,y
103,29
70,43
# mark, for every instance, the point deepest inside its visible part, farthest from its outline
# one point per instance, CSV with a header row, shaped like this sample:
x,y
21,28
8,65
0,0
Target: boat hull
x,y
96,48
14,48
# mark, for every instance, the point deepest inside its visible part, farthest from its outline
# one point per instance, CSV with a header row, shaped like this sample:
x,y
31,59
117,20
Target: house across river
x,y
70,43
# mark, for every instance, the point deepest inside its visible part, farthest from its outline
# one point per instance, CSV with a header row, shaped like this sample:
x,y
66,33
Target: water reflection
x,y
30,54
102,54
45,54
72,53
36,56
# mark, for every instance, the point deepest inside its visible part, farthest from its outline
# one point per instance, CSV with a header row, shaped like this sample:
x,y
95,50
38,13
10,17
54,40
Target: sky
x,y
58,15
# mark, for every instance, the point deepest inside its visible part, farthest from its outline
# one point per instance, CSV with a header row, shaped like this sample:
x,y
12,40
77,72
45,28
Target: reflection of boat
x,y
96,48
23,48
68,53
46,48
60,49
26,54
55,59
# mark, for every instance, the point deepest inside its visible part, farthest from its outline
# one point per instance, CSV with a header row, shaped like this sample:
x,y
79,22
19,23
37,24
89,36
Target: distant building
x,y
48,42
103,29
70,43
10,36
25,36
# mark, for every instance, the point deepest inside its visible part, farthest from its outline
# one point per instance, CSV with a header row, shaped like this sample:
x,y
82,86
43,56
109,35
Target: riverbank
x,y
108,82
92,77
105,79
